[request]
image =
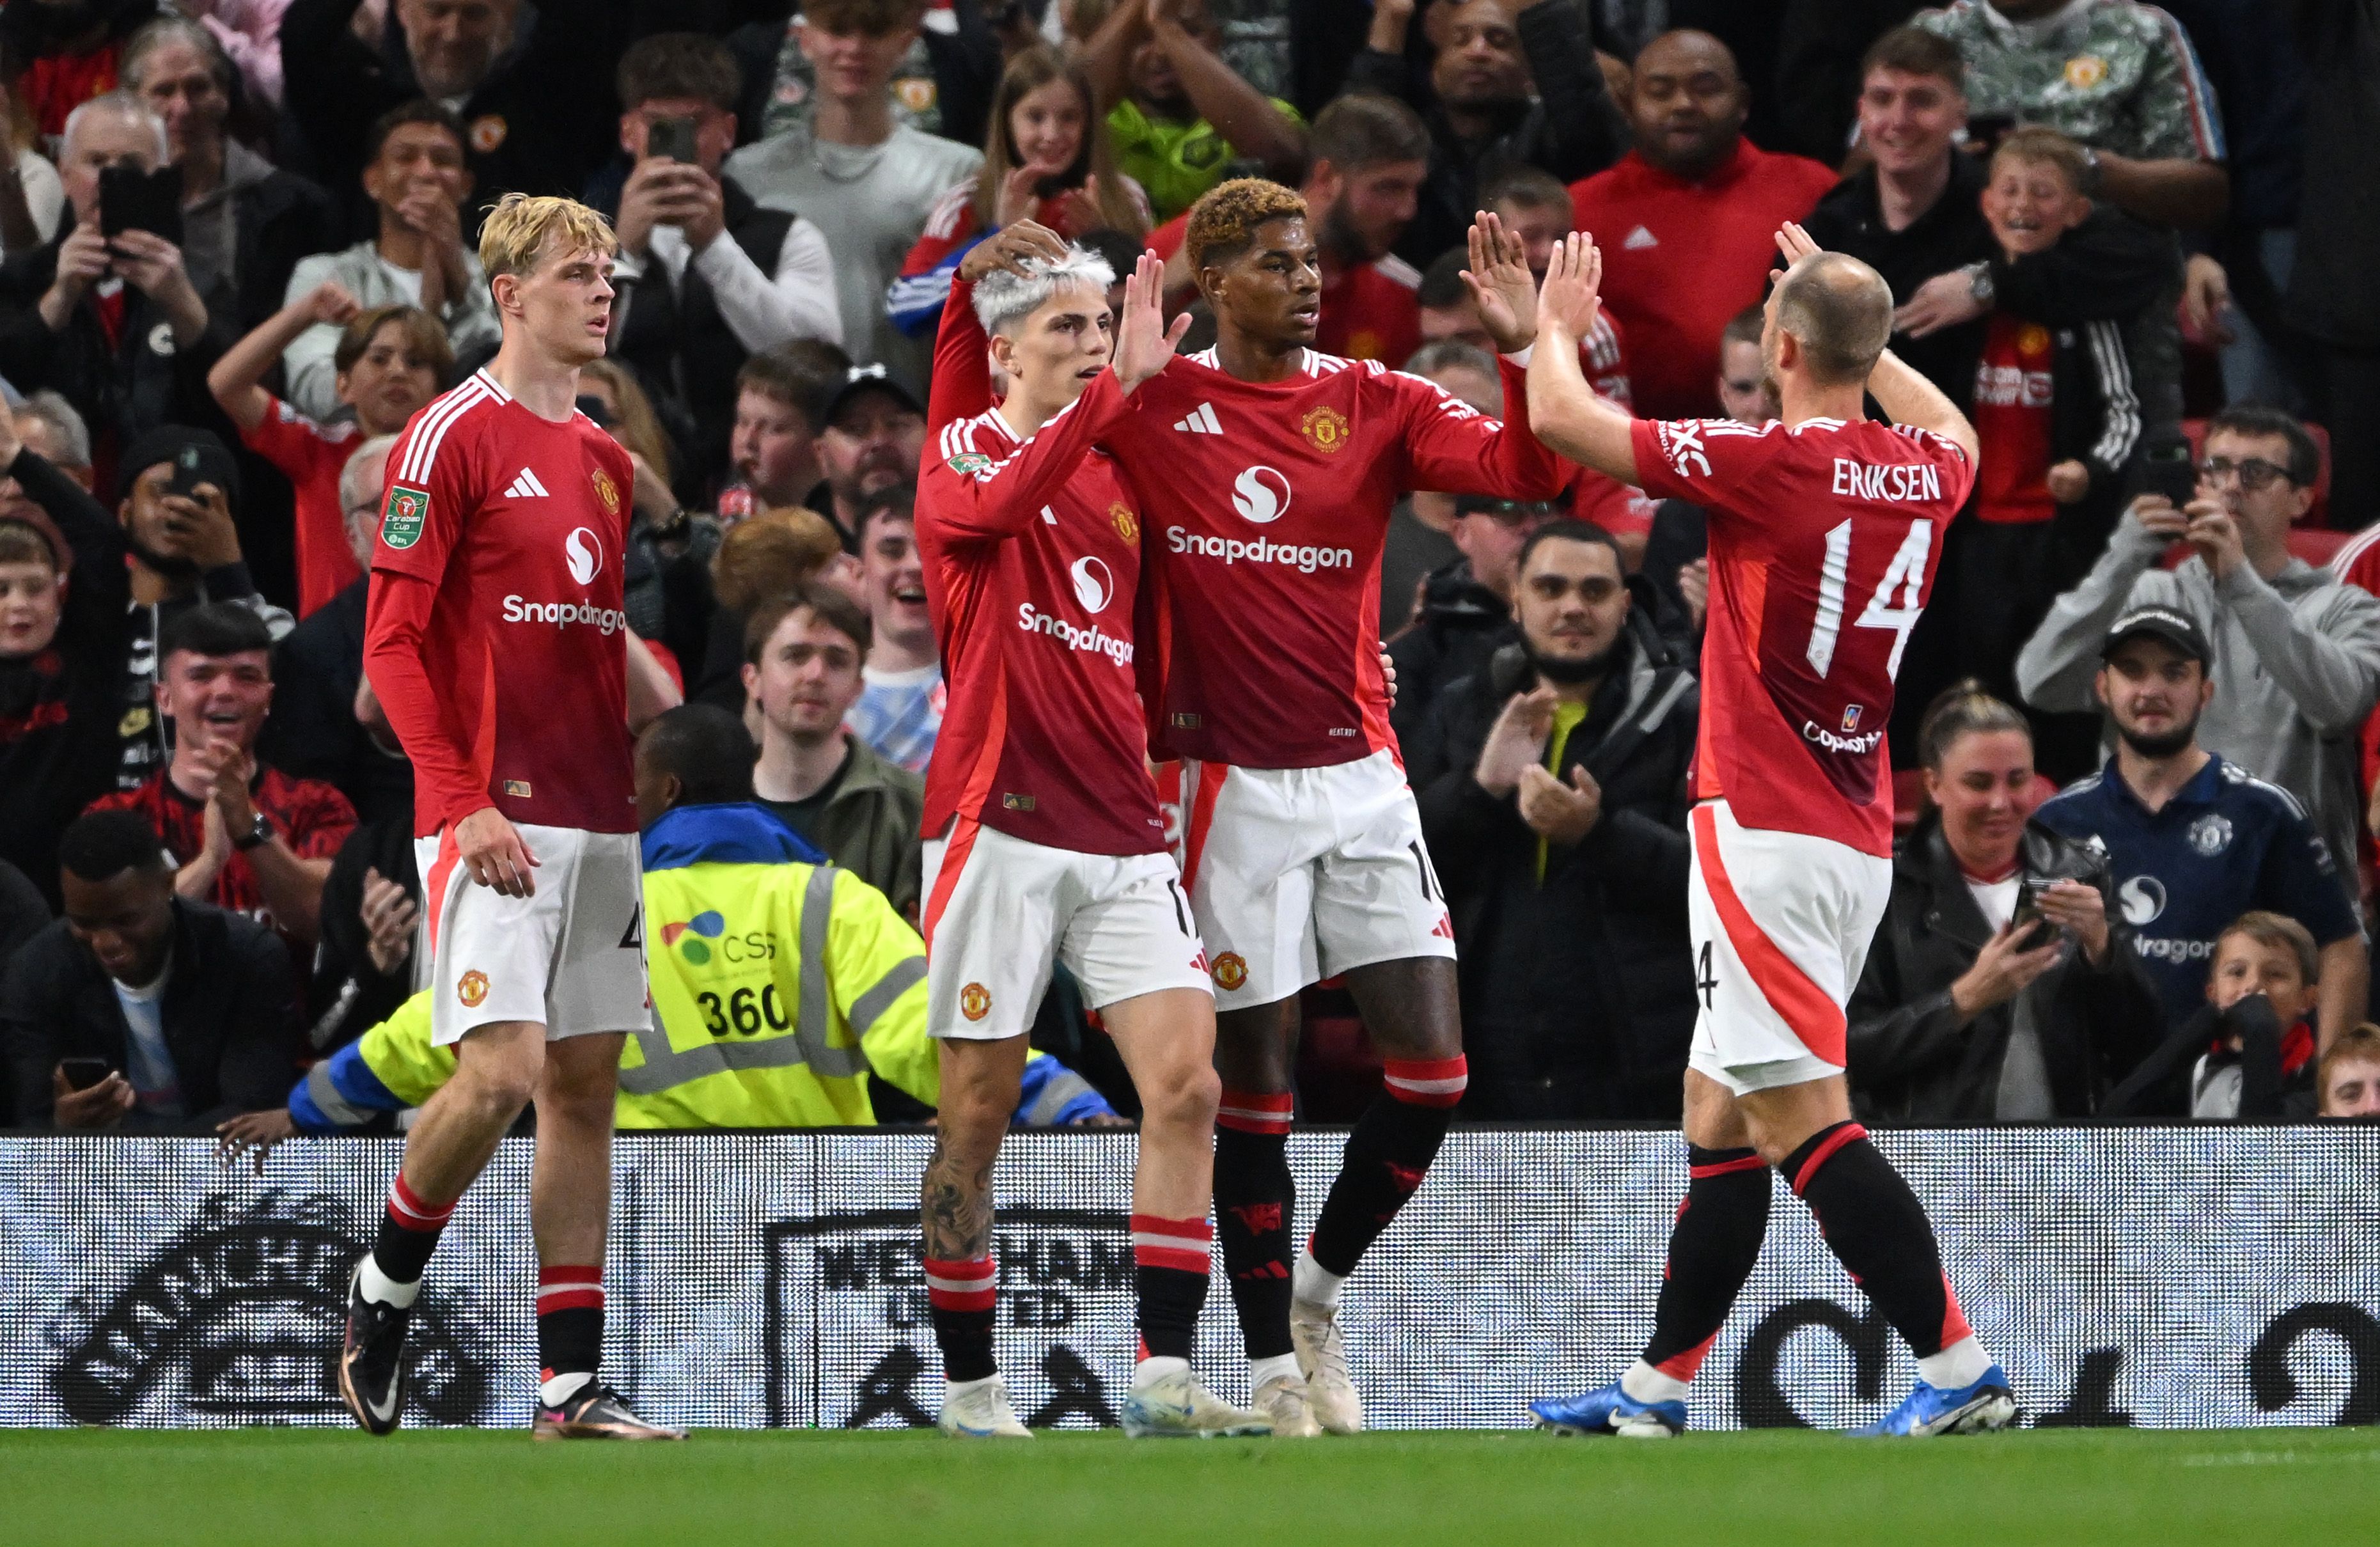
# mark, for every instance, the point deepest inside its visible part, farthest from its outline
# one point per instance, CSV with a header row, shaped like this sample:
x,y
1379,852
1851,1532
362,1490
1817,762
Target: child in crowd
x,y
2250,1052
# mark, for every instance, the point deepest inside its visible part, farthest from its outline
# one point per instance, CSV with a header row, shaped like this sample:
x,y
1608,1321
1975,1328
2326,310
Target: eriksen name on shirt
x,y
1910,483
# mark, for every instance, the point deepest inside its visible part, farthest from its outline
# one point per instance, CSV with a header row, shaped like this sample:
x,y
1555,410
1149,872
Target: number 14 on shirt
x,y
1907,572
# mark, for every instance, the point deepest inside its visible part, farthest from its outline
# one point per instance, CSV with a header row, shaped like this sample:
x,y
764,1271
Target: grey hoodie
x,y
2297,665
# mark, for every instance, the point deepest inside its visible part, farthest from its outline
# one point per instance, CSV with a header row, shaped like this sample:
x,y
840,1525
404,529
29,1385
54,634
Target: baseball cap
x,y
862,379
2171,624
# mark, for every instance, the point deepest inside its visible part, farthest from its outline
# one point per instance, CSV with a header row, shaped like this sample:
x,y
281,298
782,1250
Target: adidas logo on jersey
x,y
1200,421
526,487
1639,238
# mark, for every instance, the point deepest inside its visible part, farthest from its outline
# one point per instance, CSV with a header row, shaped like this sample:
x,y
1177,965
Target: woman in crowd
x,y
1047,159
1999,989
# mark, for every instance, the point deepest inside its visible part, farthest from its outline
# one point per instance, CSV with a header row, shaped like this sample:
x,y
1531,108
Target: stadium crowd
x,y
238,255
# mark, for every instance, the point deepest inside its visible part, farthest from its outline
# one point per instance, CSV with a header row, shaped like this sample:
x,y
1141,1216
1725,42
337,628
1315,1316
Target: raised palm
x,y
1573,278
1143,344
1500,284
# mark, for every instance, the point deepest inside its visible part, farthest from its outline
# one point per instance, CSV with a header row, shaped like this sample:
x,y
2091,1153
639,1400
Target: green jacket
x,y
870,827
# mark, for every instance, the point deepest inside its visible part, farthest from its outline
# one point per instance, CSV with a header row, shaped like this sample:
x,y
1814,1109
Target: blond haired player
x,y
496,641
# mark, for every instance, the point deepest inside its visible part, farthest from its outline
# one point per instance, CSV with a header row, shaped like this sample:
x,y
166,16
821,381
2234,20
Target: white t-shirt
x,y
147,1064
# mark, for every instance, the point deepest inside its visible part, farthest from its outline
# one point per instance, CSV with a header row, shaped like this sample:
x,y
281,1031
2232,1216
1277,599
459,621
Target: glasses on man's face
x,y
2254,472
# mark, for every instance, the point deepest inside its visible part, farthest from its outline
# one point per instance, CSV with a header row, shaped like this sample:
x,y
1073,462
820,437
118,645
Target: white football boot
x,y
980,1410
1322,1354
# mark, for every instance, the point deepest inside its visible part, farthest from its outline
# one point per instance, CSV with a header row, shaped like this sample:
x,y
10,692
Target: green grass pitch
x,y
2288,1488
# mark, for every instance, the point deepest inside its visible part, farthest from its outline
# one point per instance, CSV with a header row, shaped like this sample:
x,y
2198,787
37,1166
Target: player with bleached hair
x,y
1044,839
496,640
1825,533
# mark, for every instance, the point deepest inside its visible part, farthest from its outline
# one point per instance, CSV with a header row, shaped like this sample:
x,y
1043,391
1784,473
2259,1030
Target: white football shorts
x,y
1298,874
570,958
999,911
1780,925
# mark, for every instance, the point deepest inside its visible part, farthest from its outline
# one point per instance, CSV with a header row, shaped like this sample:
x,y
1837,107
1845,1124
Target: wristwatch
x,y
1979,281
259,832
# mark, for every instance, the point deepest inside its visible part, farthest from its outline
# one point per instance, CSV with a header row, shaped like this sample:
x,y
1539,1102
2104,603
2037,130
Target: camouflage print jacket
x,y
2113,74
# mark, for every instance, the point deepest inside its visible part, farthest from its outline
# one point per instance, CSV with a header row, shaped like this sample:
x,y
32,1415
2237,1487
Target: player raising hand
x,y
1823,544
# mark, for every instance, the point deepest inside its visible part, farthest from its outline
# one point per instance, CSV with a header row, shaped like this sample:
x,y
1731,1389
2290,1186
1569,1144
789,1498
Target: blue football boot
x,y
1974,1409
1609,1410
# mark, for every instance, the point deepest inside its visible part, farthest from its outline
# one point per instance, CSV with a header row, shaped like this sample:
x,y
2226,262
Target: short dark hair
x,y
2357,1044
874,18
424,332
1916,51
2278,931
896,502
1441,282
420,110
707,749
214,629
1745,326
1569,529
677,65
832,605
2255,419
800,373
1361,130
1223,222
1532,188
101,846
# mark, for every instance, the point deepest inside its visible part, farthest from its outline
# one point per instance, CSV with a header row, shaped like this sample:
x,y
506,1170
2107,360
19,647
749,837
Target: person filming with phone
x,y
2000,988
106,314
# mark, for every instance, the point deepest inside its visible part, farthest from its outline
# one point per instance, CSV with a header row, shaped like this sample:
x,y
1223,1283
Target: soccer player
x,y
496,640
1266,471
1044,841
1824,533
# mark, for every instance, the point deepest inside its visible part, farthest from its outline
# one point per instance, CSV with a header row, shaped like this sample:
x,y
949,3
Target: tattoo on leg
x,y
957,1208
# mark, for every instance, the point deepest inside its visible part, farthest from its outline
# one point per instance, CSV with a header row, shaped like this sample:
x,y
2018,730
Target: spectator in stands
x,y
2348,1078
113,323
2139,102
762,558
1420,525
57,57
900,708
803,656
2192,840
32,198
2248,1053
389,363
245,221
1484,120
415,175
1047,159
242,834
1997,989
705,278
371,918
1180,116
2056,418
1444,309
1687,220
2330,301
874,431
192,1008
1676,551
248,31
1465,612
62,604
525,87
781,397
316,731
943,84
868,182
1552,790
2297,652
670,547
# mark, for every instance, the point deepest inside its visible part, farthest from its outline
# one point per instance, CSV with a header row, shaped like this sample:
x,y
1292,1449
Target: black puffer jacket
x,y
1912,1062
1458,626
1578,995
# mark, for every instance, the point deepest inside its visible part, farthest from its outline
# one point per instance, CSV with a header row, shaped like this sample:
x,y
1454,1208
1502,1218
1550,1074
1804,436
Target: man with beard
x,y
1685,221
1552,790
874,430
2192,840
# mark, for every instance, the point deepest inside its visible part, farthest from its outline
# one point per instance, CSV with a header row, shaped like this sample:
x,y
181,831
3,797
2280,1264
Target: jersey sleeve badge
x,y
1324,430
968,464
402,518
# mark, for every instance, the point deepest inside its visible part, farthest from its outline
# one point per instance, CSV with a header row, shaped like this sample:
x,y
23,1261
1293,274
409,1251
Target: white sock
x,y
377,1285
554,1393
1644,1383
1962,1364
1278,1366
1313,1283
1156,1368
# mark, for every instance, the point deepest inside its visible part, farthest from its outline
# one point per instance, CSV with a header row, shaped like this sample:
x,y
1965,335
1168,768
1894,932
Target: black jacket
x,y
313,732
277,221
349,995
2276,1078
1910,1060
1459,625
1578,995
229,1015
1572,129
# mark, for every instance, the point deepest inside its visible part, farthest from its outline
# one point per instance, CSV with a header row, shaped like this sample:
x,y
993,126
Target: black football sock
x,y
961,1296
409,1229
1386,1158
1712,1247
1170,1263
1256,1207
569,1321
1877,1228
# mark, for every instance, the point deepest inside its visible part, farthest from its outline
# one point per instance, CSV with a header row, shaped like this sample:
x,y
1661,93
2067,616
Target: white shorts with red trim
x,y
570,958
999,911
1780,924
1298,874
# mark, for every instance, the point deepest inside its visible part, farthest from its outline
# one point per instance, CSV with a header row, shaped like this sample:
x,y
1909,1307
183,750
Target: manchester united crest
x,y
608,492
1127,525
1230,970
1324,430
472,989
974,1001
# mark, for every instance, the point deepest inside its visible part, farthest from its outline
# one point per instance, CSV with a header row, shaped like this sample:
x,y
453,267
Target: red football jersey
x,y
1267,505
311,455
1824,540
311,818
2012,422
511,690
